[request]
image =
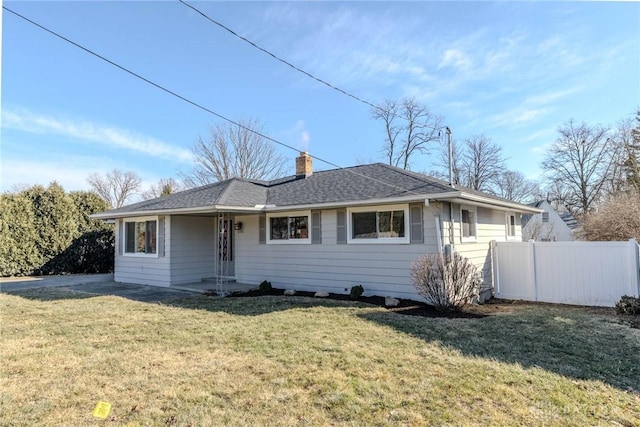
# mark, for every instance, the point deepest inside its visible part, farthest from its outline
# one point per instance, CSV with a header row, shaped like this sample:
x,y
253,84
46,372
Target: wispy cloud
x,y
456,59
517,117
549,97
69,171
297,135
82,130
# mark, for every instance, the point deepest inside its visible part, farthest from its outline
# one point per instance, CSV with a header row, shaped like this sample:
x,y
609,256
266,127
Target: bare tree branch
x,y
582,159
410,128
615,219
164,187
116,187
231,151
513,185
481,163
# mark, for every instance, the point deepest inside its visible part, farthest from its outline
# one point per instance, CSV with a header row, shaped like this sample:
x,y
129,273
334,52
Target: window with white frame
x,y
545,216
384,224
511,225
468,224
289,227
141,236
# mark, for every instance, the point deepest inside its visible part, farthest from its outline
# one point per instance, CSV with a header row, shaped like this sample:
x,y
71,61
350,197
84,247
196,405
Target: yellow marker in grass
x,y
102,410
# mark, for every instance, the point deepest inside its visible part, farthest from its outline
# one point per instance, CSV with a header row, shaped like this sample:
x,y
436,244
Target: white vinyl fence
x,y
579,273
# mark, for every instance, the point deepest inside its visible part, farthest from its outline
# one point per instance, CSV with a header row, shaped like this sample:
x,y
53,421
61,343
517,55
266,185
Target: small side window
x,y
511,225
468,224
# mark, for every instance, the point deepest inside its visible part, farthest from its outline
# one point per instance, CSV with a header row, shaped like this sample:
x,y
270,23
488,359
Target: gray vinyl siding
x,y
144,270
491,225
382,269
192,248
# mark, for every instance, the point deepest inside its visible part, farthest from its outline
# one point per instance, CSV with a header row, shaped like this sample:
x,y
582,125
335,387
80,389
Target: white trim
x,y
379,240
213,209
124,236
483,202
455,197
288,214
474,237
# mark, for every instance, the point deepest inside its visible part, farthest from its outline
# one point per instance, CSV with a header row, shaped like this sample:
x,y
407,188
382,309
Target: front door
x,y
225,247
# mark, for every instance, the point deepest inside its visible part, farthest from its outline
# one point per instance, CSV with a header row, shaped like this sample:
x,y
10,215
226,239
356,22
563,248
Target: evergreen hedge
x,y
48,231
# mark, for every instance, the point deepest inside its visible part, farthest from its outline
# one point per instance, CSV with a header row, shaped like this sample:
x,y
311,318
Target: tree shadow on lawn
x,y
569,341
50,294
256,302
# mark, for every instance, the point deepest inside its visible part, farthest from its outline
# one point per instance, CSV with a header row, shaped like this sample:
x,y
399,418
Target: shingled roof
x,y
347,185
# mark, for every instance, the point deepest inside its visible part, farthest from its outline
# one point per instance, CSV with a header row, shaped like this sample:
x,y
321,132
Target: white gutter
x,y
387,201
177,211
454,196
476,200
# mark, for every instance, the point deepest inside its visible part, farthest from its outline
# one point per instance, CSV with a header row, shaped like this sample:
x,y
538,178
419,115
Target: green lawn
x,y
302,361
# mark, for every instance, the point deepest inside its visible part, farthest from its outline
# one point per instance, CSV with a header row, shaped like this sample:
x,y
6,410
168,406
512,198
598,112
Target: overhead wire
x,y
193,103
276,57
289,64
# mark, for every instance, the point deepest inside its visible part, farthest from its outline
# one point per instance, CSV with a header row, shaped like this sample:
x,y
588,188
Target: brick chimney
x,y
303,165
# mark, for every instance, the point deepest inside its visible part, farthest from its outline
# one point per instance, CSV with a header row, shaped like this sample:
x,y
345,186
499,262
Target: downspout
x,y
450,146
439,236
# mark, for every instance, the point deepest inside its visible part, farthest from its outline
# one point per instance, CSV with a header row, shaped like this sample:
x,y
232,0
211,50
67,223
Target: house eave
x,y
486,202
177,211
345,204
454,197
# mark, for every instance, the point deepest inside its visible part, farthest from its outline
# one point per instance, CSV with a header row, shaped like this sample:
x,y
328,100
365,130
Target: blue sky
x,y
513,71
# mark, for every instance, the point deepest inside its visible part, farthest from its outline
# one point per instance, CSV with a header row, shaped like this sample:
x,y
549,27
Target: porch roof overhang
x,y
200,210
460,197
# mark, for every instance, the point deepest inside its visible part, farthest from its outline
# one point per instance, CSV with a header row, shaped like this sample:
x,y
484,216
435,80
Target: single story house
x,y
549,225
363,225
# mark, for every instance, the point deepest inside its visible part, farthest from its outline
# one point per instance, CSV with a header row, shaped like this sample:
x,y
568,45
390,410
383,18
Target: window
x,y
511,225
545,216
289,228
383,225
140,237
468,224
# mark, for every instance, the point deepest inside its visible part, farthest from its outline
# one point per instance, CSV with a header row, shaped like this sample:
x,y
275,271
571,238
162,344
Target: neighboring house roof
x,y
570,220
566,217
347,186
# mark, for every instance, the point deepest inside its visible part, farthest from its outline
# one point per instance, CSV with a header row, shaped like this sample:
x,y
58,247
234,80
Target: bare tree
x,y
409,129
116,187
556,193
513,185
442,163
615,219
231,151
481,163
537,230
581,159
163,187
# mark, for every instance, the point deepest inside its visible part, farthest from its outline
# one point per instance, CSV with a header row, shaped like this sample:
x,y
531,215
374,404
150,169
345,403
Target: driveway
x,y
94,284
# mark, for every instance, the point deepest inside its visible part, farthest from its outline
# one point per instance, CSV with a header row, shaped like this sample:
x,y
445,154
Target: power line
x,y
195,104
274,56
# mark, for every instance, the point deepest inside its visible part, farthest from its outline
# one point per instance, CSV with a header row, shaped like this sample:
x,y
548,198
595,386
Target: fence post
x,y
634,266
495,277
532,248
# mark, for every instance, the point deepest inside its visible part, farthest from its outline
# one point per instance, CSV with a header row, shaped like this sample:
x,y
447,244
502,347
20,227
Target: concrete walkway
x,y
103,284
8,284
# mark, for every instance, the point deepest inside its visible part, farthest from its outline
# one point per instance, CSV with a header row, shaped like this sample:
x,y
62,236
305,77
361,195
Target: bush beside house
x,y
48,231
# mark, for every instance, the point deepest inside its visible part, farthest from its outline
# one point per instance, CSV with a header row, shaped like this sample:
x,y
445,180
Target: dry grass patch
x,y
303,361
